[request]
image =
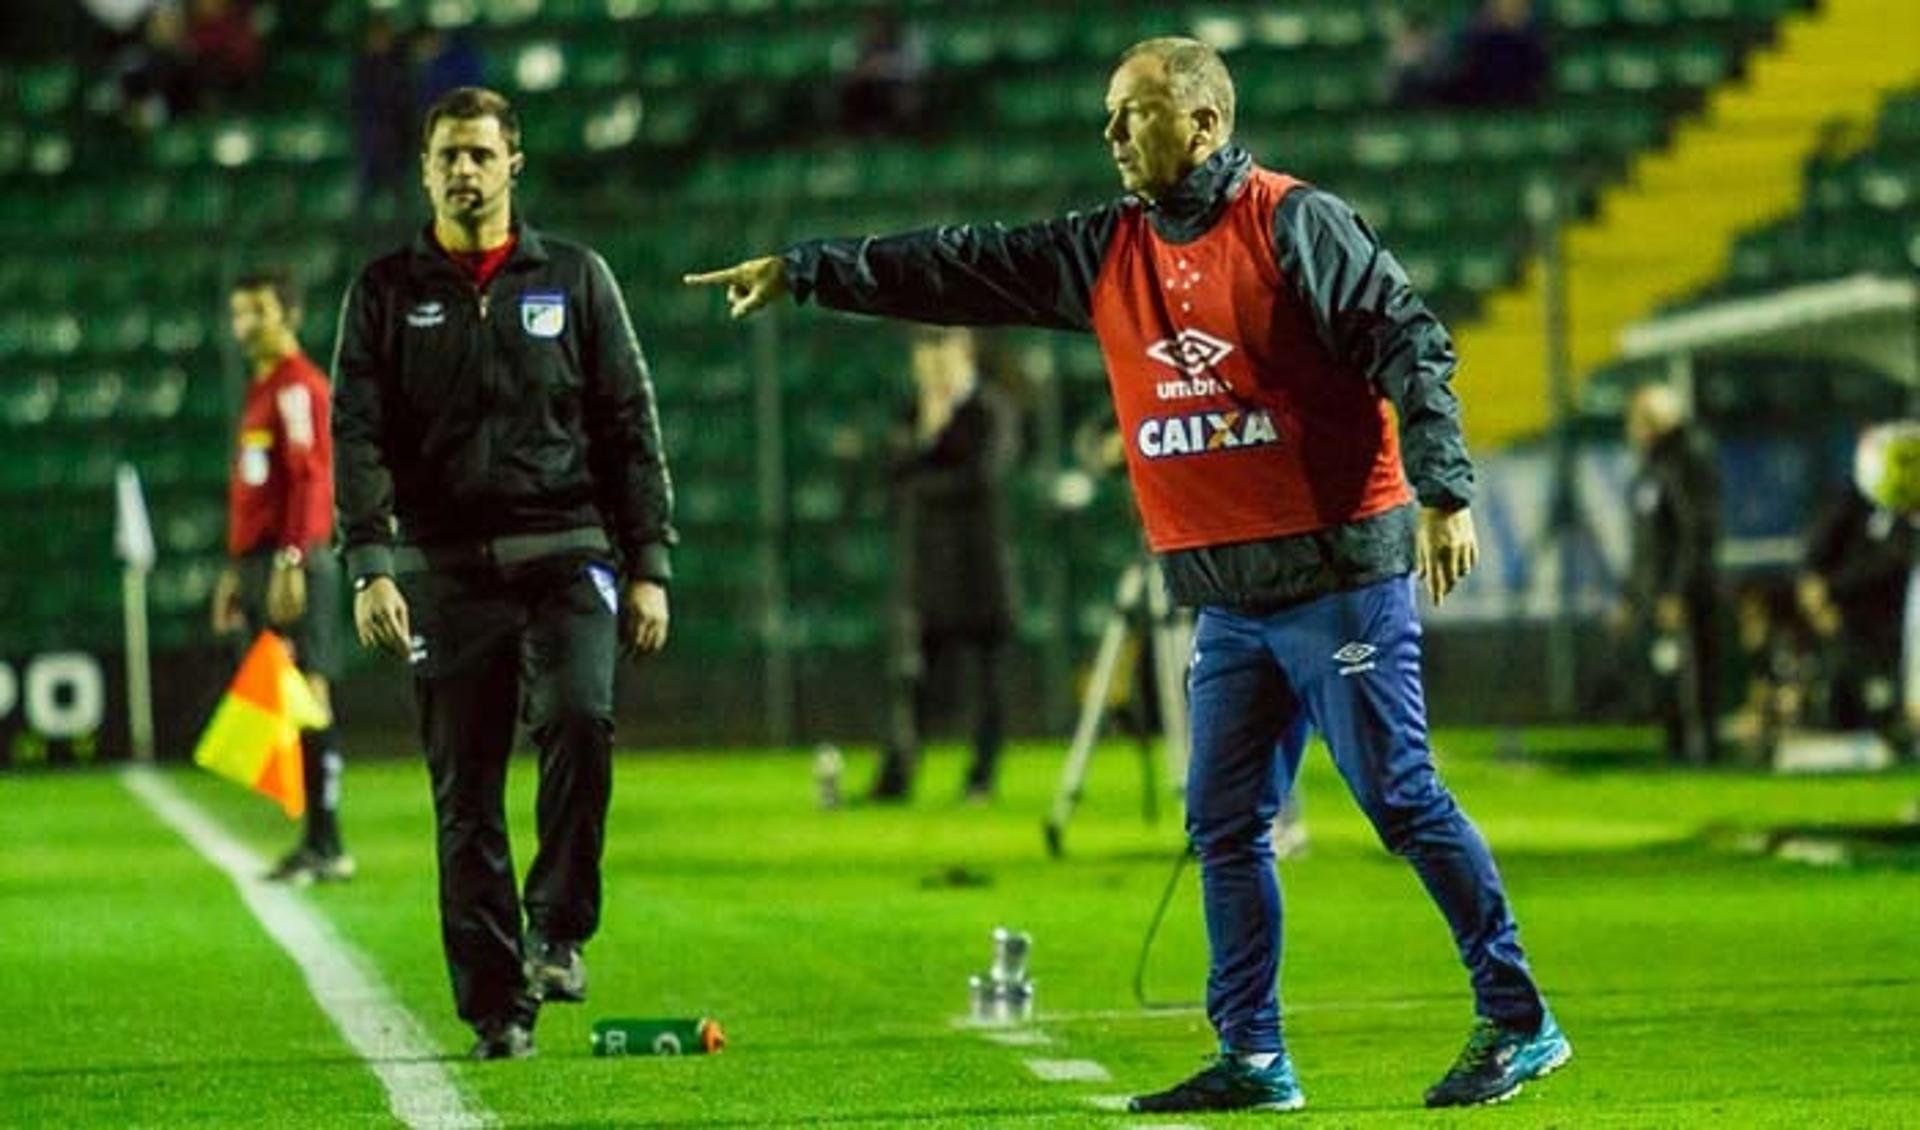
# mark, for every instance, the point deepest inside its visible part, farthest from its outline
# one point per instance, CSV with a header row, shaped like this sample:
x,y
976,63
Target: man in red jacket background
x,y
283,573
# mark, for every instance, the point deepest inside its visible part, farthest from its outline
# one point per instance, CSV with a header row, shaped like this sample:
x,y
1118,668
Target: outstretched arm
x,y
970,274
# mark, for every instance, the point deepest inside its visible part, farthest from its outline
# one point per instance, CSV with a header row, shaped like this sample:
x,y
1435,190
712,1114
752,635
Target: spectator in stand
x,y
1498,58
382,108
1416,58
446,61
882,91
1501,59
154,70
224,45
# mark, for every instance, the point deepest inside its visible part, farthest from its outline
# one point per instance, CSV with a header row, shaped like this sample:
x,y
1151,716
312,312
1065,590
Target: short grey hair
x,y
1196,75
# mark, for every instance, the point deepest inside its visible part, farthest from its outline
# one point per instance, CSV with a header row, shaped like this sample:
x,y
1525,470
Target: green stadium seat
x,y
114,332
137,204
47,89
90,396
305,138
27,400
199,199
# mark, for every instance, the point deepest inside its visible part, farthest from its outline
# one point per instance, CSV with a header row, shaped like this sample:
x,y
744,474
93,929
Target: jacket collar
x,y
1191,207
528,250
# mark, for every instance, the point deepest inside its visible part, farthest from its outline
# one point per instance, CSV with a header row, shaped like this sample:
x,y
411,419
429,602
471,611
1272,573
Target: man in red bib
x,y
1254,332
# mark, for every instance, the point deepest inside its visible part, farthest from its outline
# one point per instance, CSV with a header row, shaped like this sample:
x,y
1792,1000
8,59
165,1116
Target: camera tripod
x,y
1138,597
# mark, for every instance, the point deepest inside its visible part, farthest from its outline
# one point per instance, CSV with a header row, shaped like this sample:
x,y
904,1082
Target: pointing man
x,y
1254,332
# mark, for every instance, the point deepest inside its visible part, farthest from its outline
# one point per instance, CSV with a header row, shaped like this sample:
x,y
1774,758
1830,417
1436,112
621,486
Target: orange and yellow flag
x,y
254,737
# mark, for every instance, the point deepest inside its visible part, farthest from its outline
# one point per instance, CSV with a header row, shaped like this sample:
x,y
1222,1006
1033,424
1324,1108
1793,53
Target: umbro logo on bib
x,y
1191,351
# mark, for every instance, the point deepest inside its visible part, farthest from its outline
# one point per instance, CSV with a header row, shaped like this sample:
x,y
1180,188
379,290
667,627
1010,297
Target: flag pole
x,y
133,543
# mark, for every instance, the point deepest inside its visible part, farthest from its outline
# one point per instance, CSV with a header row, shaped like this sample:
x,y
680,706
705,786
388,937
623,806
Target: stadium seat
x,y
676,134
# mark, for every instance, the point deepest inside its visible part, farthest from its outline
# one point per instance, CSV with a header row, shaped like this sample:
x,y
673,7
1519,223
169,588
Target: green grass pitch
x,y
1701,986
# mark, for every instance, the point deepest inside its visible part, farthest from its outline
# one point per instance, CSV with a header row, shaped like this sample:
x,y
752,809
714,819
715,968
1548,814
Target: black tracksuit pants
x,y
494,645
1688,696
921,689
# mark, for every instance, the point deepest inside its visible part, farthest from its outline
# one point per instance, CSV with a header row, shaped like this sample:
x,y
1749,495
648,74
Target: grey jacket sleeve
x,y
1039,274
624,452
1367,315
363,483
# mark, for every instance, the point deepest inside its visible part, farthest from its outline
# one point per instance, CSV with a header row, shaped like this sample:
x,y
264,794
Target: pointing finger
x,y
711,278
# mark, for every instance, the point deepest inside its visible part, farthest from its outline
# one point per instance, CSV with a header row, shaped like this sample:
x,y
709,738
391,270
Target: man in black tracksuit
x,y
1859,560
1258,341
1672,587
954,594
506,513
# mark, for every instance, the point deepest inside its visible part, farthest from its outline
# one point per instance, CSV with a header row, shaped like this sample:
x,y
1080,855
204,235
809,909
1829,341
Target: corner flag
x,y
254,737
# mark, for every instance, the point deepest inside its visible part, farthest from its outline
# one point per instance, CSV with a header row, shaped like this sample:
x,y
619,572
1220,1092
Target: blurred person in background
x,y
1254,332
1497,57
1671,600
881,88
284,574
1775,644
955,585
1500,59
507,518
1860,557
224,44
1416,57
382,107
153,73
445,61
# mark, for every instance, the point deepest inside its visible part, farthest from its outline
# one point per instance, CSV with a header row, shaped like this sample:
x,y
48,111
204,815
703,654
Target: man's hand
x,y
643,617
1669,614
380,617
750,285
227,618
286,594
1816,604
1444,549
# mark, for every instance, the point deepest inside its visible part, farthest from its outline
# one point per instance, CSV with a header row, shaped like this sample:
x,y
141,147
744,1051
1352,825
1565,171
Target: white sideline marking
x,y
1019,1038
1109,1102
420,1092
1068,1071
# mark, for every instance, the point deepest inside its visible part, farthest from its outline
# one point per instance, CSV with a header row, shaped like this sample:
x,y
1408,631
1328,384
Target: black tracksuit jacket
x,y
1364,309
465,415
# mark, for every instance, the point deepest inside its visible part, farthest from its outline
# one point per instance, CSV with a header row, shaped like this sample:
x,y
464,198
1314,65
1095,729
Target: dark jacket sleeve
x,y
1840,550
1367,315
970,274
624,452
363,483
1832,533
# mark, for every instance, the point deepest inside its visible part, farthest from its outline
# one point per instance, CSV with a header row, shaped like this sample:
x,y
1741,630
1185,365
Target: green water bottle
x,y
657,1036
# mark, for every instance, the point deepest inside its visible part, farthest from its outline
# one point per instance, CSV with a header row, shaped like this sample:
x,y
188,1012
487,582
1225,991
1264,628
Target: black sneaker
x,y
502,1039
303,866
1228,1083
557,972
1497,1061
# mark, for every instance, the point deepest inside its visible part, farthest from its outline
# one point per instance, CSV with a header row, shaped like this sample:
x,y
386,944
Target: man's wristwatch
x,y
361,584
289,557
